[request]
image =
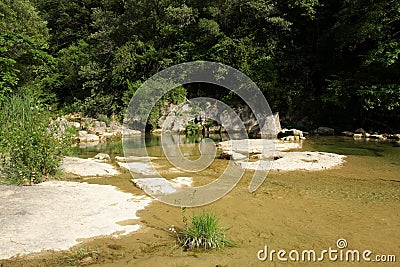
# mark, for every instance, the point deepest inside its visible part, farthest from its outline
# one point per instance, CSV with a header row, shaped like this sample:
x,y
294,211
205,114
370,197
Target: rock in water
x,y
325,131
291,161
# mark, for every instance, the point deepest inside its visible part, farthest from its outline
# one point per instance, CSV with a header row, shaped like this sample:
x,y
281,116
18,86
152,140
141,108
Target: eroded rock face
x,y
176,117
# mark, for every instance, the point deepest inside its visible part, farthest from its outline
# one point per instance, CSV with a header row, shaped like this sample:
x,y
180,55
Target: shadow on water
x,y
348,146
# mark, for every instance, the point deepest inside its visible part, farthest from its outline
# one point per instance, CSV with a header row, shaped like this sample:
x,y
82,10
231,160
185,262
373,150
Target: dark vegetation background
x,y
319,62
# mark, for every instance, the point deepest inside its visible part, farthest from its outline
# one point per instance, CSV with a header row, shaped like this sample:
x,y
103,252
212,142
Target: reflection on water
x,y
151,140
385,151
371,170
90,149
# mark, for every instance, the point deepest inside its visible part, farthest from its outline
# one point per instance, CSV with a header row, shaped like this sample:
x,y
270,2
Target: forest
x,y
318,62
101,185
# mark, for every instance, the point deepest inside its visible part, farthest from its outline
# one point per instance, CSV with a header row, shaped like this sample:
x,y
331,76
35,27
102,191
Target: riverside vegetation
x,y
320,62
31,144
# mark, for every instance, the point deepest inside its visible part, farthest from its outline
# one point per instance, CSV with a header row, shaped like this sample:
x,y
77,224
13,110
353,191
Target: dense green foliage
x,y
317,61
31,145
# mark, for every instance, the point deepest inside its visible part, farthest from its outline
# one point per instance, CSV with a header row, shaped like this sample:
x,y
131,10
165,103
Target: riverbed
x,y
297,210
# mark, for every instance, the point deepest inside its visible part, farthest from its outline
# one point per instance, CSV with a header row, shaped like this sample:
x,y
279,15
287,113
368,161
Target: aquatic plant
x,y
204,232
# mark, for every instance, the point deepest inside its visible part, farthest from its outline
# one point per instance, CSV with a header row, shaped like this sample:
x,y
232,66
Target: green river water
x,y
371,171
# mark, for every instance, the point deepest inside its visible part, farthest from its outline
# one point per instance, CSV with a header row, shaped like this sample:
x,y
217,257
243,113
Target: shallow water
x,y
358,201
371,171
384,153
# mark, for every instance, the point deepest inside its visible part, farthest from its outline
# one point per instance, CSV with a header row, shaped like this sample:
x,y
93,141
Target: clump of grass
x,y
204,232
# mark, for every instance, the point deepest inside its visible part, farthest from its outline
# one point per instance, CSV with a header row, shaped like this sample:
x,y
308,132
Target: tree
x,y
367,42
23,36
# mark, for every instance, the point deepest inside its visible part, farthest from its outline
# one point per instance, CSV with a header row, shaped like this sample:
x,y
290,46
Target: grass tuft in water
x,y
204,232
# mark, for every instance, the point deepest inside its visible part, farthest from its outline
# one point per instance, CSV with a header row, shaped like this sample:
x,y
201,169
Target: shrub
x,y
204,232
30,140
191,127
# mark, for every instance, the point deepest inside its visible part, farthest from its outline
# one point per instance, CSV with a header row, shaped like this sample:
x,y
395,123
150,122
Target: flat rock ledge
x,y
57,215
291,161
87,167
160,186
140,165
257,146
264,150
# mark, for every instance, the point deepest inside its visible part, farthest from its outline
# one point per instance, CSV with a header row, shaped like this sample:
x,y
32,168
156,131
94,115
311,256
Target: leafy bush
x,y
30,140
191,127
204,232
